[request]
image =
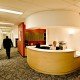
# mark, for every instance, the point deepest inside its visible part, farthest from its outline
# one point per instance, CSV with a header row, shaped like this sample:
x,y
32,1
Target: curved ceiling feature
x,y
53,18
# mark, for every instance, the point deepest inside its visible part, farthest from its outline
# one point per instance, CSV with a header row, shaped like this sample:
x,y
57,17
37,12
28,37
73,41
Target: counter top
x,y
48,50
77,54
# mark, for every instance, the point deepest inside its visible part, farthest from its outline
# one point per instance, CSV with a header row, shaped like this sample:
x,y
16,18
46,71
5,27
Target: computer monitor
x,y
38,45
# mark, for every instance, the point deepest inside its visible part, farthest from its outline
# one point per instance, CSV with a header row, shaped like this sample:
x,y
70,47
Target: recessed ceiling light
x,y
4,32
11,11
5,23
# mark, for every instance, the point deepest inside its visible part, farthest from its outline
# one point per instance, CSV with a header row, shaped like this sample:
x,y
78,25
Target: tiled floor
x,y
17,68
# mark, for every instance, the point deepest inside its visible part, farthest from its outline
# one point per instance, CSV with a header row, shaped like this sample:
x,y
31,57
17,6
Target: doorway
x,y
16,40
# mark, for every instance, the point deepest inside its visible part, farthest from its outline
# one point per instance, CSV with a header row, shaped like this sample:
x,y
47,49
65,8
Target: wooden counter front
x,y
51,61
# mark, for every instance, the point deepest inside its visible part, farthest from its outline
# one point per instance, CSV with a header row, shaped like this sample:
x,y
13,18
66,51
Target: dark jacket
x,y
7,43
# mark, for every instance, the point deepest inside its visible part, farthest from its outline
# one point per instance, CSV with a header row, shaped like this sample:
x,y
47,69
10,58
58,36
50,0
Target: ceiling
x,y
5,29
29,7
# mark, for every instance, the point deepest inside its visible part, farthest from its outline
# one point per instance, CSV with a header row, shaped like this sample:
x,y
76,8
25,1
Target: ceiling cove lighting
x,y
11,11
5,23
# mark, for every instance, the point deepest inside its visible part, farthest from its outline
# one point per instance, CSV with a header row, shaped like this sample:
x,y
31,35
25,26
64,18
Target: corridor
x,y
16,68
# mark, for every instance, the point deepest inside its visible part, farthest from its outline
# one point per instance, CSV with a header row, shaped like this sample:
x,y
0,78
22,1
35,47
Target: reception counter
x,y
55,62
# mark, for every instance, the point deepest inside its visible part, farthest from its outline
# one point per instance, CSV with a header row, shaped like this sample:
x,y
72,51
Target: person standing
x,y
7,44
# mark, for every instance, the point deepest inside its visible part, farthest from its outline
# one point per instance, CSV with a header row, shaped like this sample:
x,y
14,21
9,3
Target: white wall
x,y
62,34
14,34
1,39
56,18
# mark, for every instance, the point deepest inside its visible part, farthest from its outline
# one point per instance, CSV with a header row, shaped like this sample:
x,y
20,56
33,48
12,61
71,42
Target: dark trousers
x,y
8,52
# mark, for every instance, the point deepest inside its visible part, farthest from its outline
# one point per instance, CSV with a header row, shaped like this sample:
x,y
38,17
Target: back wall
x,y
69,35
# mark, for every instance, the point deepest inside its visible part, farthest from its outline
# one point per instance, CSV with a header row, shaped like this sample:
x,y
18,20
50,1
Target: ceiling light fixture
x,y
10,11
71,31
5,23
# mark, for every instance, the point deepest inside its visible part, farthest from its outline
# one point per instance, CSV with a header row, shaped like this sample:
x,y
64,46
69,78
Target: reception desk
x,y
55,62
